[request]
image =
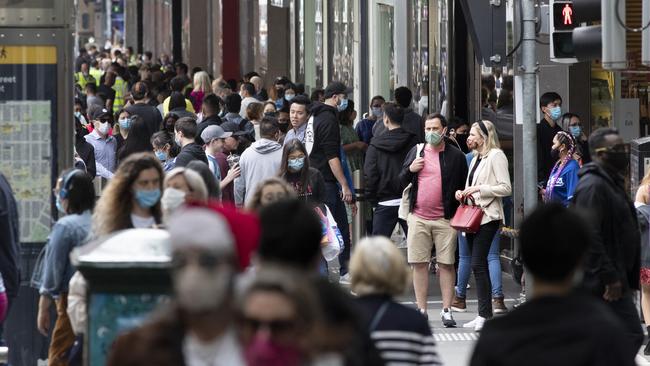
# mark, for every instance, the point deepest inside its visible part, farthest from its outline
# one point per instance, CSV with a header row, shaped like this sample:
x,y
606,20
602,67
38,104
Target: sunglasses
x,y
276,327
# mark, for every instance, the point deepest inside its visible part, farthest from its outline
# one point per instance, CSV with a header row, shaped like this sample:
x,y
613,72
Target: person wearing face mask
x,y
571,124
435,171
137,139
260,161
164,149
564,176
376,115
75,198
278,314
182,186
284,119
382,168
105,145
413,122
306,181
613,259
551,105
132,198
198,326
459,133
323,144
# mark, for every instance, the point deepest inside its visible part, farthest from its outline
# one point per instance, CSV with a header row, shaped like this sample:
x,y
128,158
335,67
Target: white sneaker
x,y
477,323
447,319
345,280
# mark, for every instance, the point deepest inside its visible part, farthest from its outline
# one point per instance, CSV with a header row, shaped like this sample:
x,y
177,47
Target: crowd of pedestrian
x,y
235,171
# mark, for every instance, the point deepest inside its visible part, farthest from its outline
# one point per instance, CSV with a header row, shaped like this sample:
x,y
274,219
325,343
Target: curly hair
x,y
113,210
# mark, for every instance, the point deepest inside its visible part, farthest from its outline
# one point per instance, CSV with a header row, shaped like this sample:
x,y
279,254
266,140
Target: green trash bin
x,y
128,277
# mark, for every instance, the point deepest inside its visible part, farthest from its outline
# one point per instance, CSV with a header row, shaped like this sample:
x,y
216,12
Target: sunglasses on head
x,y
619,148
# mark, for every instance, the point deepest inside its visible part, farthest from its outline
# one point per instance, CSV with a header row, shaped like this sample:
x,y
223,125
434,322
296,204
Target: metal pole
x,y
529,84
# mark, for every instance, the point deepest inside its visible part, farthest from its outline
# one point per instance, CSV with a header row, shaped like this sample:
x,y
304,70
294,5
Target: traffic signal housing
x,y
562,23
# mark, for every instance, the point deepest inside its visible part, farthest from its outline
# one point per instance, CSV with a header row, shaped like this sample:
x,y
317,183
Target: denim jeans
x,y
464,267
337,207
385,219
479,246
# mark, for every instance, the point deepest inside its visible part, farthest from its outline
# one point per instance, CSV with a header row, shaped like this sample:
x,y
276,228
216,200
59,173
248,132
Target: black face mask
x,y
284,127
271,114
618,160
555,154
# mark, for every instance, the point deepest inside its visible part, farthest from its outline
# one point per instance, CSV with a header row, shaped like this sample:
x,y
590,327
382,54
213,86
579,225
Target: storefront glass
x,y
384,45
419,49
341,30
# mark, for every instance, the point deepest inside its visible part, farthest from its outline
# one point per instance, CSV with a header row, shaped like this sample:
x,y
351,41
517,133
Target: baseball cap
x,y
336,87
233,128
99,114
214,132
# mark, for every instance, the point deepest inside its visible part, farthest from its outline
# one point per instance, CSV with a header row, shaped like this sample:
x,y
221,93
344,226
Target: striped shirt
x,y
401,335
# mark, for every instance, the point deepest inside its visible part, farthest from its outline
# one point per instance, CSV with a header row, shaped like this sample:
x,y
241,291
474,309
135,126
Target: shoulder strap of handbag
x,y
418,150
378,315
309,135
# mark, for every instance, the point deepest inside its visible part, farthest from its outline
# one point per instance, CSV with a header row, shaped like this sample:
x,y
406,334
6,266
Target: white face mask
x,y
198,289
103,128
172,199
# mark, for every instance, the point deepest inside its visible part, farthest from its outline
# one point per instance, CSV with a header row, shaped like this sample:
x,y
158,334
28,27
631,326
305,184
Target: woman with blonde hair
x,y
202,87
132,197
270,190
379,273
182,186
487,183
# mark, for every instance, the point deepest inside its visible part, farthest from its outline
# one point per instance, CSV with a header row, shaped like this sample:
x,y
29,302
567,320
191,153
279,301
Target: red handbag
x,y
468,217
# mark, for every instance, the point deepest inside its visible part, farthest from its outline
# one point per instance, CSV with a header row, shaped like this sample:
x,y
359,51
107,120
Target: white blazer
x,y
493,179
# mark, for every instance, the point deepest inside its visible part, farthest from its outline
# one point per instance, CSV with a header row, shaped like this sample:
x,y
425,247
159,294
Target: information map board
x,y
27,131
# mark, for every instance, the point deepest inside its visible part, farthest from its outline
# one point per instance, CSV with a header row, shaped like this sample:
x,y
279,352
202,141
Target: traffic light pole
x,y
529,94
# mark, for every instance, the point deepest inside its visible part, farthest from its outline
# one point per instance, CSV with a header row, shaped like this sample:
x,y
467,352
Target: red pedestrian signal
x,y
563,16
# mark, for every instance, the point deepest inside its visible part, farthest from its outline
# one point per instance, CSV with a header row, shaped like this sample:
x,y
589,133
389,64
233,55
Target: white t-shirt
x,y
223,351
140,222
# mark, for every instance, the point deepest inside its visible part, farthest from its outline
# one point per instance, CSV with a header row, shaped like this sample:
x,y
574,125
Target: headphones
x,y
67,180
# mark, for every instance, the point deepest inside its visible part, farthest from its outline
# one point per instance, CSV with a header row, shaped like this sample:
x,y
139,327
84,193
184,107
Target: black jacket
x,y
614,254
383,165
86,152
213,120
190,152
454,174
9,239
315,191
413,123
327,140
560,331
149,114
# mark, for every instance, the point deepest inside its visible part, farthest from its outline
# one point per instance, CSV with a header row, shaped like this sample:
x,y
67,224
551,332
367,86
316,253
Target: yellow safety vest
x,y
97,74
82,79
120,88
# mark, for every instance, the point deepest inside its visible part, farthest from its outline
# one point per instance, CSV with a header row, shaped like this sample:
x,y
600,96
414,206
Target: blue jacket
x,y
565,184
69,232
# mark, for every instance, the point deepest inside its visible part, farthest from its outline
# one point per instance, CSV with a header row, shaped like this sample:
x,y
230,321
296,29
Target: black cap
x,y
233,128
99,114
336,87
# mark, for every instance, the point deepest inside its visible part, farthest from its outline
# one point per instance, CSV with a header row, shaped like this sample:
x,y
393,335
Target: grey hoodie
x,y
259,162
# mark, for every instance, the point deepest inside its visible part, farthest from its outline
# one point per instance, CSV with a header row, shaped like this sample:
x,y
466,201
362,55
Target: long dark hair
x,y
138,139
290,147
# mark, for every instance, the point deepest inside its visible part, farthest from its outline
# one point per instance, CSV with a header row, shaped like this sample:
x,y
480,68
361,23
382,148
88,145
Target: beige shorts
x,y
424,234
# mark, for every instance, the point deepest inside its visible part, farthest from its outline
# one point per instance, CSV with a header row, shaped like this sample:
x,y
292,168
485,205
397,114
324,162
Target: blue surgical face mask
x,y
59,204
576,131
343,105
177,140
289,97
296,164
555,113
378,112
147,198
161,155
125,123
